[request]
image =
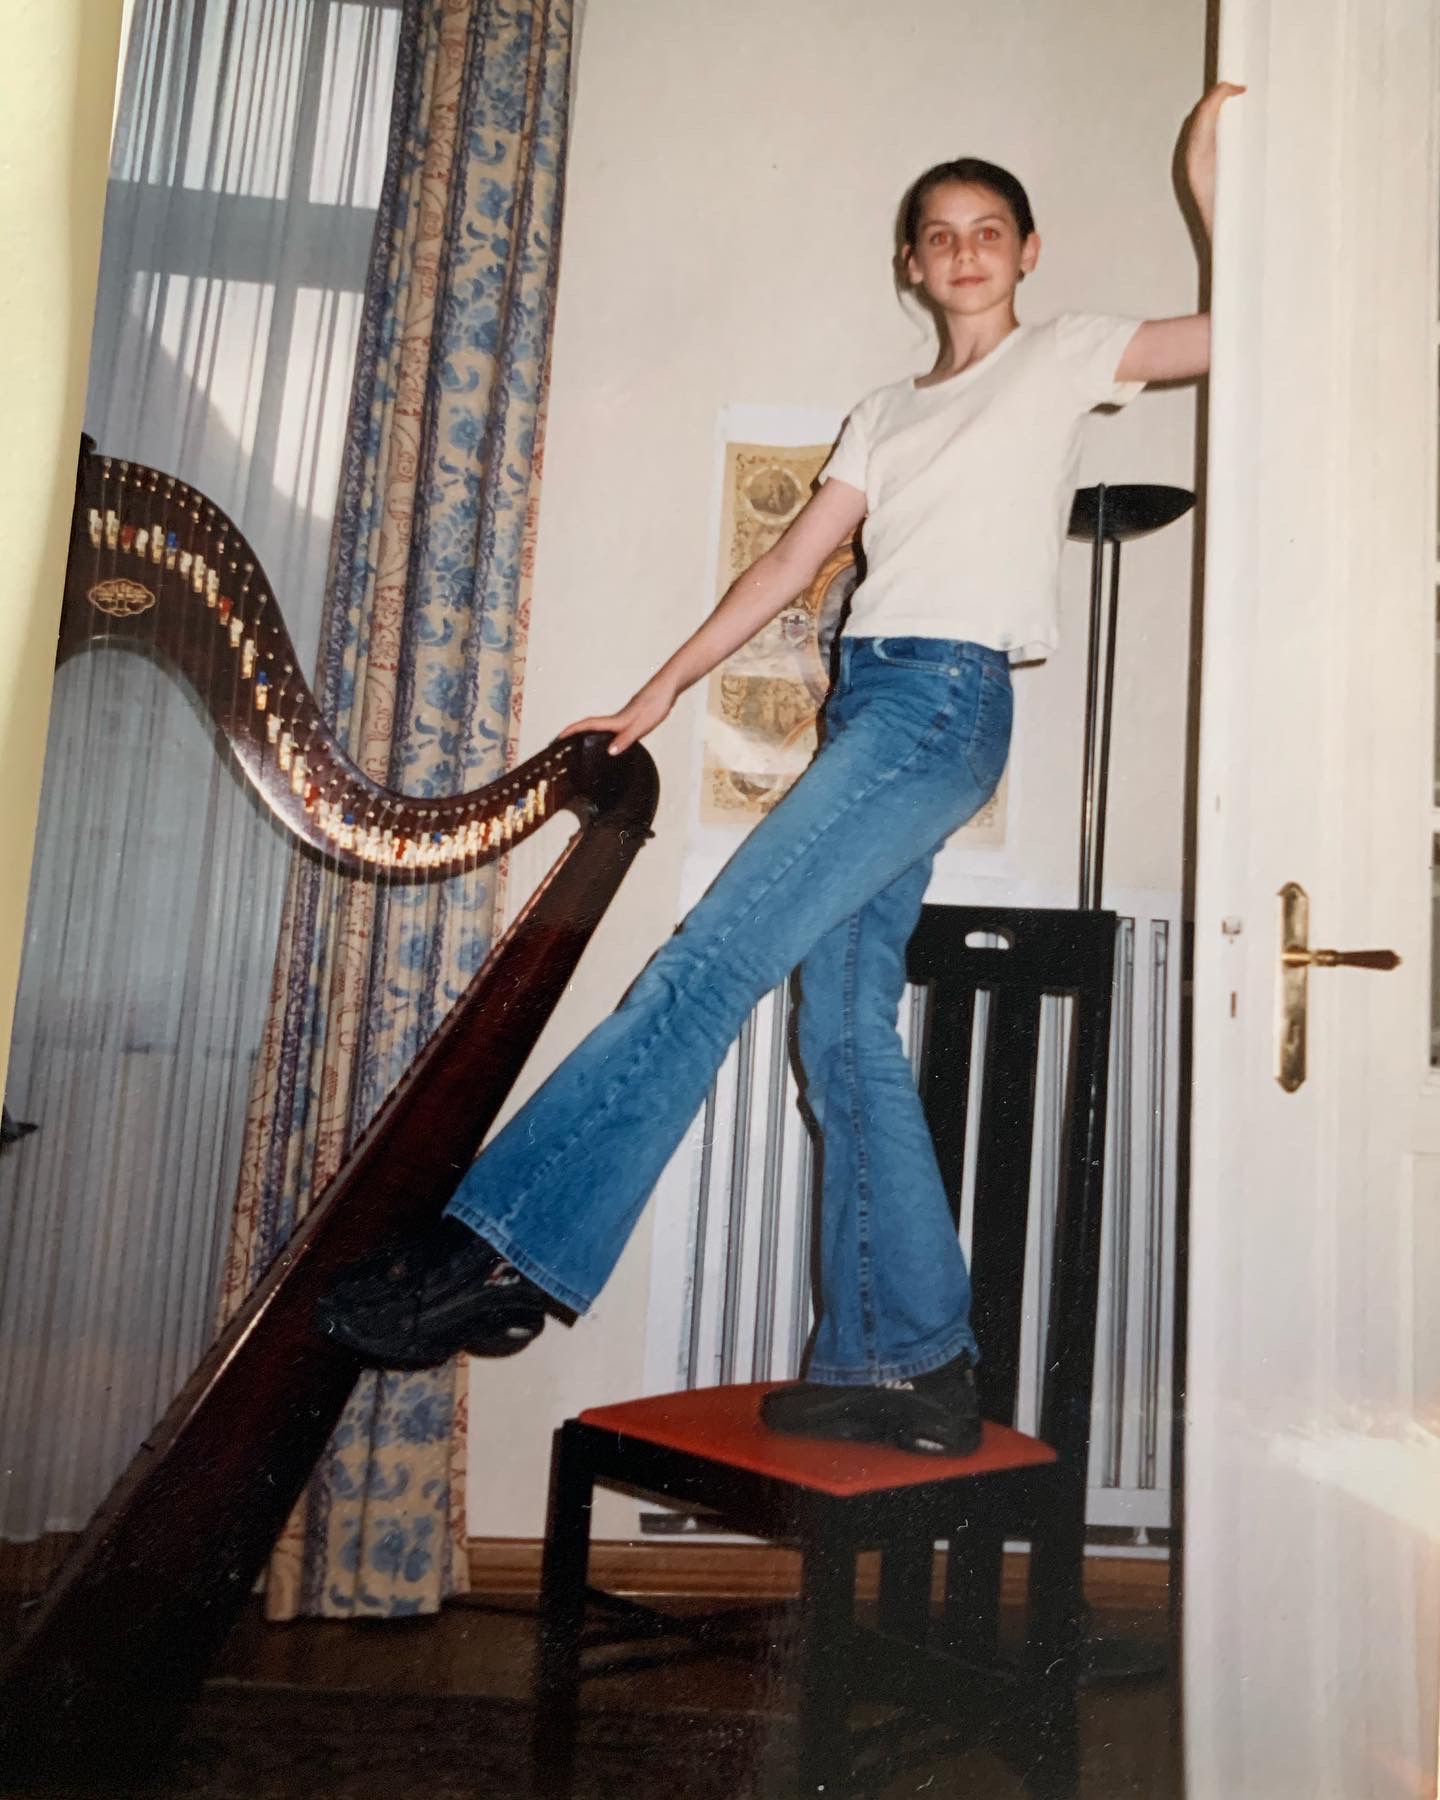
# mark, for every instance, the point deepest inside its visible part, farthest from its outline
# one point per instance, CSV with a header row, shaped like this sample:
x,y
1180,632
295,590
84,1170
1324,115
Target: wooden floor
x,y
486,1646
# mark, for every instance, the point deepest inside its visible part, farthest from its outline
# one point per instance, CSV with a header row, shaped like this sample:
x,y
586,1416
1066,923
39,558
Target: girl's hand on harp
x,y
635,720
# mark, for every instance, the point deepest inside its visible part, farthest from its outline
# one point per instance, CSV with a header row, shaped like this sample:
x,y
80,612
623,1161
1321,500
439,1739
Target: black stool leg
x,y
1054,1640
562,1613
905,1571
973,1570
827,1619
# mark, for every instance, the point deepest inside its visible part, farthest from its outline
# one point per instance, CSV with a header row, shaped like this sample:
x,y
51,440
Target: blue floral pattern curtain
x,y
421,656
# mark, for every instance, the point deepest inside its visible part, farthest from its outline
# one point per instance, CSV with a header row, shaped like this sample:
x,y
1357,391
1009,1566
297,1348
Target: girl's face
x,y
968,254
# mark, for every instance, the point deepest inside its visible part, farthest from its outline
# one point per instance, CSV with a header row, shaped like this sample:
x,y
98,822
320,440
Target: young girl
x,y
963,480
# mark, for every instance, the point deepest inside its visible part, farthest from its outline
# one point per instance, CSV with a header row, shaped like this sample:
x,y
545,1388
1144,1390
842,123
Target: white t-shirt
x,y
969,485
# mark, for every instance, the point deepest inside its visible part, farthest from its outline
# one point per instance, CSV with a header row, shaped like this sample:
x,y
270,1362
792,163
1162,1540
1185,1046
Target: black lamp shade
x,y
1131,511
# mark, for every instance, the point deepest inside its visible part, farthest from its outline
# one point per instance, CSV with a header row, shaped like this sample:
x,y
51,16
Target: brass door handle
x,y
1293,988
1340,959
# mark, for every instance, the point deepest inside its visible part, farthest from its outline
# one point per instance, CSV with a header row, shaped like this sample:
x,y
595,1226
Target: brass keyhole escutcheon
x,y
1293,986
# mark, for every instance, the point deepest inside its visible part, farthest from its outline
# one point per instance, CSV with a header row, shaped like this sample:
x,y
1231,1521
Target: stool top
x,y
723,1424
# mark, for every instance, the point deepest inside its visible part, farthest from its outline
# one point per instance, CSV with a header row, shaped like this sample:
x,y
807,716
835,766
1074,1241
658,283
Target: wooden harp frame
x,y
121,1640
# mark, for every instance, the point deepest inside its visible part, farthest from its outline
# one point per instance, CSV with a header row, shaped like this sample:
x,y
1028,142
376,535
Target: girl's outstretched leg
x,y
914,747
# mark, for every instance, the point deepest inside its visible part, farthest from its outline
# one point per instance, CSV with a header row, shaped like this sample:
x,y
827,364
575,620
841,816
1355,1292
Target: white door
x,y
1312,1502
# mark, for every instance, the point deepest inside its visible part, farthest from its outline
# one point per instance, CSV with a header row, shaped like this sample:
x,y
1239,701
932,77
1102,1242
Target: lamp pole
x,y
1108,517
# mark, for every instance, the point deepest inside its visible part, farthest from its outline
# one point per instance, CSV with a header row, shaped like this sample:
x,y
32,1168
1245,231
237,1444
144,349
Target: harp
x,y
123,1635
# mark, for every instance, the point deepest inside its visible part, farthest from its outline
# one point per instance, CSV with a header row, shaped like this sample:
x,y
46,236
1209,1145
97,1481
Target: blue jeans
x,y
916,735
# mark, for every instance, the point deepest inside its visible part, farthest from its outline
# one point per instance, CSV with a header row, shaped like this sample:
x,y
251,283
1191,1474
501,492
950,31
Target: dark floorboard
x,y
439,1709
487,1649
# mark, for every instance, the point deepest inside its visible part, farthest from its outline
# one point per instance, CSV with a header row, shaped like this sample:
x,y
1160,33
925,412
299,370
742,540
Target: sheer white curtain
x,y
249,151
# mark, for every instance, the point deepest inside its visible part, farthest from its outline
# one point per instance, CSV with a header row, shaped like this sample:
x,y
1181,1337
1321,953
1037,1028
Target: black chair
x,y
707,1448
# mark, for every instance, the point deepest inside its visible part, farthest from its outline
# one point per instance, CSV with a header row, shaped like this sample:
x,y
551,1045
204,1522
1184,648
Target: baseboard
x,y
503,1568
510,1568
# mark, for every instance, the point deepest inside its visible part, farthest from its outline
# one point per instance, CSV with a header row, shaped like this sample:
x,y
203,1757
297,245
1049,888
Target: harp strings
x,y
153,943
116,1212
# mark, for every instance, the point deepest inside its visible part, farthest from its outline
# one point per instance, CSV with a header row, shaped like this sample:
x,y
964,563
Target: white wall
x,y
734,175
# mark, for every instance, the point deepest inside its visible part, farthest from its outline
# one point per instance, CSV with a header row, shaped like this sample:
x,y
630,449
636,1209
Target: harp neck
x,y
158,568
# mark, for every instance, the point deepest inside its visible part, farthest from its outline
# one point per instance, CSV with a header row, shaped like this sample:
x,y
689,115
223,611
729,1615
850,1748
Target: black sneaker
x,y
937,1414
415,1304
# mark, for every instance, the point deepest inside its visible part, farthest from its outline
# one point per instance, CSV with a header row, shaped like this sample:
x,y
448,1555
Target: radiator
x,y
731,1292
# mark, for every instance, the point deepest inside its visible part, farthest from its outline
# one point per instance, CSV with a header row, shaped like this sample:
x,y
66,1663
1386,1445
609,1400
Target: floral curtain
x,y
421,655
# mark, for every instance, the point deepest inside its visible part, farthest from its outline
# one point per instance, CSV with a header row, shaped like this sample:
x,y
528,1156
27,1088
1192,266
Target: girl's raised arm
x,y
786,569
1171,349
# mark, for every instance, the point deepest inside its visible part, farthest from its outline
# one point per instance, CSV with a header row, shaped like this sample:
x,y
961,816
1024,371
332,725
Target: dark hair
x,y
976,172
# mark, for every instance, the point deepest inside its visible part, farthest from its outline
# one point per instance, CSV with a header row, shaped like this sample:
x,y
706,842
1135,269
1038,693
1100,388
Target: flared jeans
x,y
916,735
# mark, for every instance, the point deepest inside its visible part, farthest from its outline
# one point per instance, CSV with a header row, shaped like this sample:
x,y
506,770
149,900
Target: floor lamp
x,y
1110,516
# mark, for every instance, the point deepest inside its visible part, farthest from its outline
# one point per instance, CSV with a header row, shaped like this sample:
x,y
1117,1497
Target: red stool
x,y
708,1449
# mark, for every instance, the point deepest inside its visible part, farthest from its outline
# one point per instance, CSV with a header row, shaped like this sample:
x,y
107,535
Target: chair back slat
x,y
1000,1230
944,1079
1075,1278
1040,953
